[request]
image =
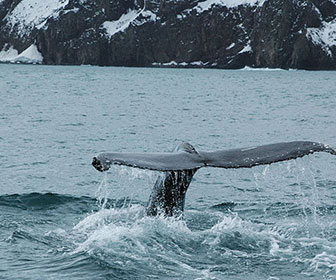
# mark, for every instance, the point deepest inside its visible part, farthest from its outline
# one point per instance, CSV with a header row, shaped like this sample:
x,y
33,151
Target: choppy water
x,y
60,218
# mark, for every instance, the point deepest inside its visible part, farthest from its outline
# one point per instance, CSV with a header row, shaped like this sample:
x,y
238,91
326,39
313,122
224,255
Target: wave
x,y
39,201
247,68
43,201
161,246
118,239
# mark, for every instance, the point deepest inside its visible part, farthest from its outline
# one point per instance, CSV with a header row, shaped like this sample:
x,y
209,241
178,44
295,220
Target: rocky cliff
x,y
181,33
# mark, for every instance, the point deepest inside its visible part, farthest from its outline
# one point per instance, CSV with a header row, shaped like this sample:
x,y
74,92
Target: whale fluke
x,y
188,158
185,158
179,167
261,155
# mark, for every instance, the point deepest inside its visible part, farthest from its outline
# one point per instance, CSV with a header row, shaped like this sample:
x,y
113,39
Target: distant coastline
x,y
221,34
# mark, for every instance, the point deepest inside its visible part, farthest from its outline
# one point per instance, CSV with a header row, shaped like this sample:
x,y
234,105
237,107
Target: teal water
x,y
60,218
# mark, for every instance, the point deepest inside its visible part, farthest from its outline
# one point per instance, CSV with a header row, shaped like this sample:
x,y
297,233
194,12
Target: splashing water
x,y
210,244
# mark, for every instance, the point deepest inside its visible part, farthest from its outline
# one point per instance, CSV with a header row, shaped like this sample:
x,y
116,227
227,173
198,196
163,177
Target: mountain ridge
x,y
185,33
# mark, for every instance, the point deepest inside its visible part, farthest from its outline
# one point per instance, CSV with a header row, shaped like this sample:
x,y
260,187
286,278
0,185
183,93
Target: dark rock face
x,y
181,33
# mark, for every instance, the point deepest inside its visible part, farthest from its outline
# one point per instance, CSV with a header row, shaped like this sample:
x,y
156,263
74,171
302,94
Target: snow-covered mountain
x,y
179,33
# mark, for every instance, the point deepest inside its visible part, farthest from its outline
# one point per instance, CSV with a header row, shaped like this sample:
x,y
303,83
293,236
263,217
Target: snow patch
x,y
8,54
206,5
74,10
29,55
180,16
247,48
174,63
324,36
231,46
197,63
120,25
145,16
149,15
29,14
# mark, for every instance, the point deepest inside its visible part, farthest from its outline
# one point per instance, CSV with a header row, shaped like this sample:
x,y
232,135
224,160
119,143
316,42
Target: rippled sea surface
x,y
61,219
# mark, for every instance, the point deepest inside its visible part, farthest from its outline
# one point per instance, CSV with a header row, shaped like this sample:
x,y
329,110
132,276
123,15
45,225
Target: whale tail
x,y
170,188
185,157
179,167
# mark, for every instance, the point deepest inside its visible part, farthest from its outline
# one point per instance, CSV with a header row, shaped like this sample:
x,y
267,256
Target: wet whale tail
x,y
185,157
169,191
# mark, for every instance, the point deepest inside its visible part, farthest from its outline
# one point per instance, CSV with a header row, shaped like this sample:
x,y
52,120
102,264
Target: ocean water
x,y
61,219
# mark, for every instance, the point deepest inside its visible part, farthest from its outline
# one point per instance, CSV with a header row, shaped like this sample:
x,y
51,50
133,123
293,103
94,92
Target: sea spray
x,y
120,235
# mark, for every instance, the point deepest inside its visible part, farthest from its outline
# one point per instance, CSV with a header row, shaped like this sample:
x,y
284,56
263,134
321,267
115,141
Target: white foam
x,y
126,236
29,14
247,68
114,229
322,261
106,216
